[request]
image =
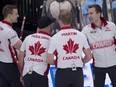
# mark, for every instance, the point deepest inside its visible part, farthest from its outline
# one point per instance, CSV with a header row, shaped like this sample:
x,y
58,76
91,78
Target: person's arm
x,y
115,35
21,64
51,53
86,49
18,44
21,59
50,59
88,55
22,54
14,39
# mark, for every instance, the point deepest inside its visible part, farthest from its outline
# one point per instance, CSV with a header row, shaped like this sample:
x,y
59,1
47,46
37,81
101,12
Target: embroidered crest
x,y
37,49
70,47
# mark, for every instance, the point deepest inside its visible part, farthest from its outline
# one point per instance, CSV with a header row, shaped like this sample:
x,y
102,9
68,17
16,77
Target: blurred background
x,y
34,9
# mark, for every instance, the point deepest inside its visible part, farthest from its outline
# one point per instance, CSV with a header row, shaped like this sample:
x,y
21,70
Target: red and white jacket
x,y
36,47
8,37
102,42
67,45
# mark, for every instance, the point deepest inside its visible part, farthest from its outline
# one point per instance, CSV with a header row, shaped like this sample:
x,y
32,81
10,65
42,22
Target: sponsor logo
x,y
93,31
1,28
107,29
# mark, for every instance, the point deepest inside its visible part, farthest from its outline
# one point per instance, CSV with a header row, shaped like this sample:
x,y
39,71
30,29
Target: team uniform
x,y
67,46
103,43
36,68
8,68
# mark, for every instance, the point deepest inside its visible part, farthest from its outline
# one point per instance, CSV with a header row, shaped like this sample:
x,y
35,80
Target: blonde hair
x,y
65,16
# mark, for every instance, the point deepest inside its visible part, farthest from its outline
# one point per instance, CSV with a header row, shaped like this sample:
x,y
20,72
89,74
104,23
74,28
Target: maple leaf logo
x,y
36,49
70,47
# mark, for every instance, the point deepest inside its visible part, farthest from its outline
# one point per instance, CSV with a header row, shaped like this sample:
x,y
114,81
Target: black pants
x,y
35,80
9,75
4,82
100,75
69,78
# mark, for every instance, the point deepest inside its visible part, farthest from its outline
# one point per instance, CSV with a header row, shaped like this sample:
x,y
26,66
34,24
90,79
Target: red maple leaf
x,y
70,47
36,49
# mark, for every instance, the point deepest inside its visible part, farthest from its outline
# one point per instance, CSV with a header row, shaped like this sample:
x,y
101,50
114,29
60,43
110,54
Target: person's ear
x,y
60,23
9,15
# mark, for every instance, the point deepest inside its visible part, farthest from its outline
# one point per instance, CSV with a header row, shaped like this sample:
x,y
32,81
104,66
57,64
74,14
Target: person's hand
x,y
21,79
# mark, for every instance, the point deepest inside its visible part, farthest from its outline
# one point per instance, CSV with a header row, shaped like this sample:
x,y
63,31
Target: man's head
x,y
45,21
65,16
10,13
94,13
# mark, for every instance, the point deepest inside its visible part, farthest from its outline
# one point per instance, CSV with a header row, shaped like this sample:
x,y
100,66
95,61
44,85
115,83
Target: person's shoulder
x,y
111,23
56,34
87,27
30,35
6,27
10,30
79,32
0,22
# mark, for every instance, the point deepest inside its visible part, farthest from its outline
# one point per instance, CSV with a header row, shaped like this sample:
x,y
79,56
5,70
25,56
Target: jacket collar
x,y
66,27
42,32
6,22
103,20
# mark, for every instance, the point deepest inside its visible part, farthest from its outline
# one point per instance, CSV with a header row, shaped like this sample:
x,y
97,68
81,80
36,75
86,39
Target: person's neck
x,y
6,19
98,23
45,30
65,25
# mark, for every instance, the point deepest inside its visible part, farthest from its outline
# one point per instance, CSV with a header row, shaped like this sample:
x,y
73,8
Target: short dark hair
x,y
8,9
45,21
65,16
97,8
